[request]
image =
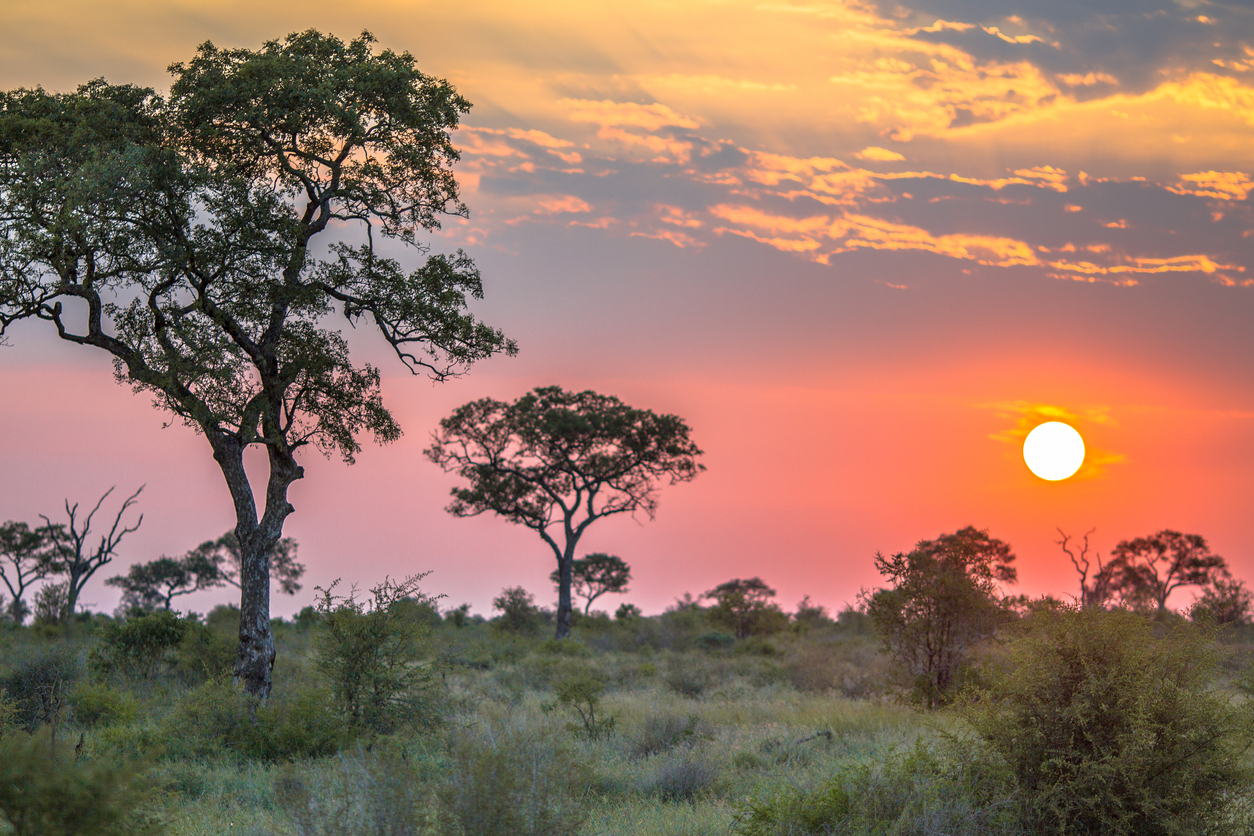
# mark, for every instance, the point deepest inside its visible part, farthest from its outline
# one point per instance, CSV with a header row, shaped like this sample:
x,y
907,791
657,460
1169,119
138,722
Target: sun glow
x,y
1053,451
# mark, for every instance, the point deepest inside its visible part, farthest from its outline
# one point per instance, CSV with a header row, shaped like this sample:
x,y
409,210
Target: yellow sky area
x,y
1021,417
806,79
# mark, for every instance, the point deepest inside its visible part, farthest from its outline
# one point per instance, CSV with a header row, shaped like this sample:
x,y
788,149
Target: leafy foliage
x,y
561,460
1108,728
942,601
137,646
1146,570
593,575
581,693
518,609
25,557
745,607
372,655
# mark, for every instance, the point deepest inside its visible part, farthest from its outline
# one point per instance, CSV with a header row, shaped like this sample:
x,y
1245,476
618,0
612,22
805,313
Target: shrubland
x,y
390,716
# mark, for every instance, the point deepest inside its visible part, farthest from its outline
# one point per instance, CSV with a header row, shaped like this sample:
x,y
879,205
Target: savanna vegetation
x,y
180,233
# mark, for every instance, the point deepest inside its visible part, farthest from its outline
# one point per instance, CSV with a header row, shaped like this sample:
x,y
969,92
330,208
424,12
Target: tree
x,y
157,583
285,570
1099,590
26,557
74,557
182,235
1225,600
561,460
745,606
942,601
518,609
593,575
1148,569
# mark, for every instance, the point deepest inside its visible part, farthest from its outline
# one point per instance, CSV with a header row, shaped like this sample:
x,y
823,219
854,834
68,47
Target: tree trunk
x,y
255,660
565,617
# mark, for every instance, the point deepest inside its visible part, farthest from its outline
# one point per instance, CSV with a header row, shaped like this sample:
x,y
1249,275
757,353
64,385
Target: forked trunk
x,y
255,660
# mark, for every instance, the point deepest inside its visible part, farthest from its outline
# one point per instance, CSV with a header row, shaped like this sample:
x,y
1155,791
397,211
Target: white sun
x,y
1053,451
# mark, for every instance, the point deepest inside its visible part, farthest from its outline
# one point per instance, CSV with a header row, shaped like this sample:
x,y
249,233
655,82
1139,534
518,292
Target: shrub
x,y
205,652
220,718
682,779
744,606
46,790
372,656
715,641
626,612
519,613
40,686
98,704
1108,729
510,784
581,693
916,792
363,797
663,732
139,645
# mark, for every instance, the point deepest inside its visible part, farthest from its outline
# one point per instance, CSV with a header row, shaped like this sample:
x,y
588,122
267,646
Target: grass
x,y
782,714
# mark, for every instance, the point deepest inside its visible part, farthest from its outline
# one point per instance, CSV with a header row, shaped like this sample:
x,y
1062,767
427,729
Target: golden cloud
x,y
1221,185
879,154
649,117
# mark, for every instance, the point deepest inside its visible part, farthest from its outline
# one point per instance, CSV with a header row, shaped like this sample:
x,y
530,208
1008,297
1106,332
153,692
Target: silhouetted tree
x,y
155,584
942,601
285,569
1094,592
593,575
1225,600
25,557
745,607
561,460
1148,569
182,235
74,557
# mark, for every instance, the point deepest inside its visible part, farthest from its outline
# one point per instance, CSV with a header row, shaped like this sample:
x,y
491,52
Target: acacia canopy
x,y
557,461
181,234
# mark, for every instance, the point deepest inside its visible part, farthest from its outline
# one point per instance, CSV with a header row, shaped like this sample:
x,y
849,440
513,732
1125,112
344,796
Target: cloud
x,y
1222,185
878,154
649,117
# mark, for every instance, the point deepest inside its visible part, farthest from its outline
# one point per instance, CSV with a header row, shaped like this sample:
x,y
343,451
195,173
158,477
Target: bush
x,y
98,704
509,784
715,641
682,779
40,686
372,656
139,645
206,652
519,613
363,797
46,790
219,718
1109,729
581,693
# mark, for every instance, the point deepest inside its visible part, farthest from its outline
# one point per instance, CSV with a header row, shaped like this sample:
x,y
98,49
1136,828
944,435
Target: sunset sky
x,y
861,248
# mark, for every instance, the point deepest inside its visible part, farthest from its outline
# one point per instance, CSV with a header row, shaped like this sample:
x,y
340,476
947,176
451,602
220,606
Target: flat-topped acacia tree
x,y
179,235
557,461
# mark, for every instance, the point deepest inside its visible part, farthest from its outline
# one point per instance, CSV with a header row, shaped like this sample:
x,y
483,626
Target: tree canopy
x,y
181,234
593,575
557,461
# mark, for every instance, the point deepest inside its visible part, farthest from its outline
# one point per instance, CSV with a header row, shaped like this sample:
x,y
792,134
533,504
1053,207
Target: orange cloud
x,y
878,154
1222,185
649,117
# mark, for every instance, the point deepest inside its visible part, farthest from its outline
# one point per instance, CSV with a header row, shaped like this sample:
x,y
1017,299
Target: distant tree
x,y
626,612
809,615
518,609
745,607
594,575
1147,570
1225,600
24,558
561,460
1098,590
943,600
74,557
183,236
225,553
155,584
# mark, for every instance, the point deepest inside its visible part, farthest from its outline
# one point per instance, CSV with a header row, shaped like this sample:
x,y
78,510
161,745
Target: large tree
x,y
187,236
1146,570
557,461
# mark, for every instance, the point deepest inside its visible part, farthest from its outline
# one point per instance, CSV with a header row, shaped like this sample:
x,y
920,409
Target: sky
x,y
861,248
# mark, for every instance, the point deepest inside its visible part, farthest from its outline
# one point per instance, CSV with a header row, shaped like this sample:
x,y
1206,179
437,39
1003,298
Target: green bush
x,y
581,694
219,719
372,656
40,686
96,703
139,645
46,790
206,652
519,613
1108,728
715,641
511,784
